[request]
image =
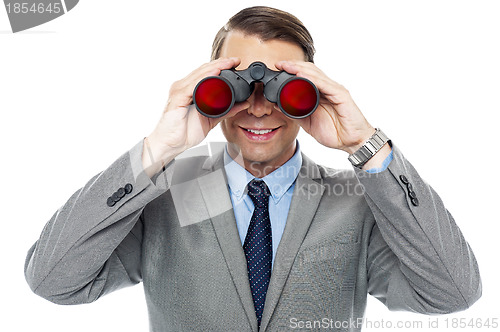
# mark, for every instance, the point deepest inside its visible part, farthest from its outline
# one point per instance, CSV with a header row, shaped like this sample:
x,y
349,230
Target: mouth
x,y
255,134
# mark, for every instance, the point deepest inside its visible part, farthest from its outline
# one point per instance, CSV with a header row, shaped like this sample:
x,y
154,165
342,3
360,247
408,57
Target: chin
x,y
261,158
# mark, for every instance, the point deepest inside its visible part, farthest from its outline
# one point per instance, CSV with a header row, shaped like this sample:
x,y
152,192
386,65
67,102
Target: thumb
x,y
238,107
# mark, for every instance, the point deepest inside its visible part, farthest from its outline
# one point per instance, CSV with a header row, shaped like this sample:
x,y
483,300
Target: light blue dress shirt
x,y
281,183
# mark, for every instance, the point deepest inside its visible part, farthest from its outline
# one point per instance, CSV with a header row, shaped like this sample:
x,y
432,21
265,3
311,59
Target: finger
x,y
181,92
308,70
238,107
212,68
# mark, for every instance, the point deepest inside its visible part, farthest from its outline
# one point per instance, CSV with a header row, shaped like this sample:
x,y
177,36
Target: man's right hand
x,y
181,126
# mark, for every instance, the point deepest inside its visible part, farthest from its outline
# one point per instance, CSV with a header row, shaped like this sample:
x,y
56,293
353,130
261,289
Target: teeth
x,y
259,132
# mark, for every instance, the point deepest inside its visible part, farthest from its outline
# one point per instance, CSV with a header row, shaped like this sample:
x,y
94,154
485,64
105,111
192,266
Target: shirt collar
x,y
278,181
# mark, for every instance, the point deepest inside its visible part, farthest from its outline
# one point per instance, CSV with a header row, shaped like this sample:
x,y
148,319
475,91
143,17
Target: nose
x,y
259,105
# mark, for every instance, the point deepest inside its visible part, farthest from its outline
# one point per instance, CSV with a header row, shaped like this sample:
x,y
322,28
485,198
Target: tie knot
x,y
259,193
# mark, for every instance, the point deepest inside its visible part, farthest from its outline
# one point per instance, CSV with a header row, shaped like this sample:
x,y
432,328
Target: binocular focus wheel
x,y
213,96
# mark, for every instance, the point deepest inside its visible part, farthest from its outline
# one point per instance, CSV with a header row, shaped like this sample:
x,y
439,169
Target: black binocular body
x,y
214,96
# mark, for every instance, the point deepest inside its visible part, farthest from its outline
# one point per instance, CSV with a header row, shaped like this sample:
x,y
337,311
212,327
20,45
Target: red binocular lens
x,y
214,96
296,97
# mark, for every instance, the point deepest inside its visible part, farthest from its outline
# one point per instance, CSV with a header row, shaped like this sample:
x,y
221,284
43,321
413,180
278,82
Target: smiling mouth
x,y
260,131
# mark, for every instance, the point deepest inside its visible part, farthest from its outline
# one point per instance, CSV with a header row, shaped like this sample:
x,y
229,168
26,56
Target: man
x,y
257,236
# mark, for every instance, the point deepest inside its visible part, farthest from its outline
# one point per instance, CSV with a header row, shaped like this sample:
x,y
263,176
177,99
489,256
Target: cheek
x,y
223,127
227,128
293,129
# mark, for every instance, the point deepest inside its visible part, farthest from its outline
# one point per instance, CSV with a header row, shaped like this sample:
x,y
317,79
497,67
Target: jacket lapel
x,y
216,197
305,200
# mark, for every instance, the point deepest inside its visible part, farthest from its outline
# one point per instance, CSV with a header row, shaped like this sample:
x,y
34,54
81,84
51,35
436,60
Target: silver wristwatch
x,y
368,150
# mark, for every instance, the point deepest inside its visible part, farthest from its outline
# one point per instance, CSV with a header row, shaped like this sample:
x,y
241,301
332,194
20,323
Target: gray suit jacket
x,y
348,233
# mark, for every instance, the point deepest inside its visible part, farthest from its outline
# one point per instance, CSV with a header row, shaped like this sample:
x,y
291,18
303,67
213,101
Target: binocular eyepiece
x,y
214,96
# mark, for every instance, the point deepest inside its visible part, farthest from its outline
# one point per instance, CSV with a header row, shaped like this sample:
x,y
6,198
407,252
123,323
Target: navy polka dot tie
x,y
258,245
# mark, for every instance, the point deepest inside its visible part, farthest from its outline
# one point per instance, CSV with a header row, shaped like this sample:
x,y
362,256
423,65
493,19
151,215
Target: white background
x,y
77,92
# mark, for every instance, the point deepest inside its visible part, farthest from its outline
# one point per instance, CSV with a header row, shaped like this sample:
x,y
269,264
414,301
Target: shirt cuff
x,y
384,166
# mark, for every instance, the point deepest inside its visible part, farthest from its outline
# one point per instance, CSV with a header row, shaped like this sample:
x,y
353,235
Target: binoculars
x,y
214,96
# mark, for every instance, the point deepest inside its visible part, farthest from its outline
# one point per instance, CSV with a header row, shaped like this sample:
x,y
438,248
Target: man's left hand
x,y
337,122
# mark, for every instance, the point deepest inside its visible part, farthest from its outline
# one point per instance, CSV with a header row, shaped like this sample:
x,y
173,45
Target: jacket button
x,y
412,194
120,192
414,201
111,202
404,179
115,197
128,188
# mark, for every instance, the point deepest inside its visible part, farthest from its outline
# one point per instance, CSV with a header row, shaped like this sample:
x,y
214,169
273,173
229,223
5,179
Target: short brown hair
x,y
266,23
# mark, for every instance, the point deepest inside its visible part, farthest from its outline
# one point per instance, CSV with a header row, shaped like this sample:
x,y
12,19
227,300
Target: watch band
x,y
368,150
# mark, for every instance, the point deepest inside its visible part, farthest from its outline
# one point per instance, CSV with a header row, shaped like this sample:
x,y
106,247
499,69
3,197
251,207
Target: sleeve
x,y
418,259
92,245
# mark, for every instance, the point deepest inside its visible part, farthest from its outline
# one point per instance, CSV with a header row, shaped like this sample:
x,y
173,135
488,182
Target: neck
x,y
260,169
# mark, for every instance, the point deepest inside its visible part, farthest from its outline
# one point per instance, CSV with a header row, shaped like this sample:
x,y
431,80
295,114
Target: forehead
x,y
251,48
